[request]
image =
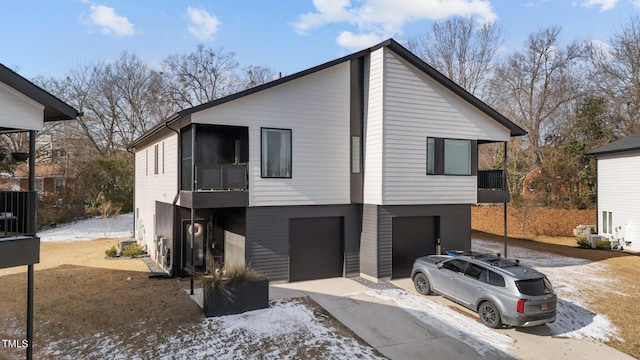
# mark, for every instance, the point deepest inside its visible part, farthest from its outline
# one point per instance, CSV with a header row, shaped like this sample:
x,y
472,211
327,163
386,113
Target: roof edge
x,y
38,94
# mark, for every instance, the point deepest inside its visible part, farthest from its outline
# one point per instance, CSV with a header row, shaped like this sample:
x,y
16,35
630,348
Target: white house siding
x,y
150,187
618,193
18,111
417,107
316,109
373,128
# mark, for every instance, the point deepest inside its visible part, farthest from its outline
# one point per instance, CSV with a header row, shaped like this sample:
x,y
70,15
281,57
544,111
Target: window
x,y
607,222
457,157
431,159
451,156
455,265
156,159
276,153
40,185
58,185
355,155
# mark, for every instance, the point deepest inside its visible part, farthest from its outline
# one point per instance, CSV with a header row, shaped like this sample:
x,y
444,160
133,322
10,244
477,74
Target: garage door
x,y
412,237
315,248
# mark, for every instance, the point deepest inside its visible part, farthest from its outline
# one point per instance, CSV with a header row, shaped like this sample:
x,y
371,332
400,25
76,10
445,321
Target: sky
x,y
50,37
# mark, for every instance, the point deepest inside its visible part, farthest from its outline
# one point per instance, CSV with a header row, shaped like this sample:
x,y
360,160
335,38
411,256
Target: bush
x,y
112,252
602,244
584,243
132,250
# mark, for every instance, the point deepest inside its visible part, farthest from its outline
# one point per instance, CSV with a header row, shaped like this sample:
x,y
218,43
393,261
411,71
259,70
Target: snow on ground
x,y
574,280
120,226
287,330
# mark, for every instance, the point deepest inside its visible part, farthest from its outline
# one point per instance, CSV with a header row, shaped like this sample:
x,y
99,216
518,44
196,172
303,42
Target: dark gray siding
x,y
267,237
455,228
369,241
165,220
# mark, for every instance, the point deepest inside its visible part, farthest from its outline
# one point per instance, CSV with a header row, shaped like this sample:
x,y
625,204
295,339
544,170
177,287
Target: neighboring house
x,y
354,167
49,179
618,168
24,107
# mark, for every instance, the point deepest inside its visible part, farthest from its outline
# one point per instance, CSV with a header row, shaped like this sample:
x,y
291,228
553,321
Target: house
x,y
353,167
49,178
24,107
618,170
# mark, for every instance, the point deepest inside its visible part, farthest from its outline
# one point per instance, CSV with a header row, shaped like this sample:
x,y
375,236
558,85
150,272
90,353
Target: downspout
x,y
175,198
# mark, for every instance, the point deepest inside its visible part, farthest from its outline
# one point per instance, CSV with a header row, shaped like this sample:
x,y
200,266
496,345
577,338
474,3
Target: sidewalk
x,y
398,334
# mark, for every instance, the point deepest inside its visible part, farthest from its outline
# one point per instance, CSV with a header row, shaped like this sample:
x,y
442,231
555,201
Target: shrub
x,y
583,243
112,252
132,250
602,244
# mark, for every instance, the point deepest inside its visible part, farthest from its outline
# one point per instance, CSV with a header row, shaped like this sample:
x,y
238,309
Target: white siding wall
x,y
619,193
373,128
316,109
18,111
150,187
417,107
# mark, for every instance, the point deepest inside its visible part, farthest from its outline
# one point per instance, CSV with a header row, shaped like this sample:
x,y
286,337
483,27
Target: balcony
x,y
492,187
18,243
218,186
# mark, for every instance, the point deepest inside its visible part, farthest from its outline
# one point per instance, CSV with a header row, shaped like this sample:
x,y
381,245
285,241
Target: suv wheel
x,y
421,284
489,315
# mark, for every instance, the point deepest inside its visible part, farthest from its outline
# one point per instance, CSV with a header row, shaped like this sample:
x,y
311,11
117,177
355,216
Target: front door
x,y
198,232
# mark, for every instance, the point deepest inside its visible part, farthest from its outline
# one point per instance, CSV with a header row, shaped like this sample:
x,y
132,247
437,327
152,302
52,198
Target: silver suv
x,y
500,290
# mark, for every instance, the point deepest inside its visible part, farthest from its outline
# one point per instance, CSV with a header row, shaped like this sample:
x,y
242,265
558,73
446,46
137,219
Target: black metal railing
x,y
222,177
491,180
18,213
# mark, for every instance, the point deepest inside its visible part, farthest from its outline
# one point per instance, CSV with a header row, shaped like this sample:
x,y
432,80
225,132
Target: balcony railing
x,y
491,180
229,177
17,213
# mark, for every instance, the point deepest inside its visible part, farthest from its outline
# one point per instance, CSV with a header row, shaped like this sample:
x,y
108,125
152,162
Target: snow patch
x,y
120,226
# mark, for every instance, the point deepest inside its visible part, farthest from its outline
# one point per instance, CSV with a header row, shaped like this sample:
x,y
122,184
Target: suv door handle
x,y
480,288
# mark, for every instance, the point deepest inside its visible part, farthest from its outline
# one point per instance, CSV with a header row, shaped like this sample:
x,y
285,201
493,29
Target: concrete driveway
x,y
399,332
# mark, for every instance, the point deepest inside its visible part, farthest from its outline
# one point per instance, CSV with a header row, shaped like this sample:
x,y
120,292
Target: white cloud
x,y
386,18
203,25
109,22
351,41
603,4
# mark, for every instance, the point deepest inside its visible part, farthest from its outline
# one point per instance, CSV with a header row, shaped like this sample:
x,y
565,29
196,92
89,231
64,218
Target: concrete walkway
x,y
399,335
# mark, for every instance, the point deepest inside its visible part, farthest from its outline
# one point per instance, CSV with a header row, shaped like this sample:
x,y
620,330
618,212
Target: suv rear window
x,y
534,287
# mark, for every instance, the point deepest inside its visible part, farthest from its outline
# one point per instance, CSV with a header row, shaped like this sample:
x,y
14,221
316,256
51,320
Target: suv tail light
x,y
520,307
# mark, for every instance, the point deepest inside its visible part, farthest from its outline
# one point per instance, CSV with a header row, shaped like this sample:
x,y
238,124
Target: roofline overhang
x,y
55,109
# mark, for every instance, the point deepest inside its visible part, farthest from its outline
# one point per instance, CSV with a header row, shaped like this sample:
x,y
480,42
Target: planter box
x,y
236,298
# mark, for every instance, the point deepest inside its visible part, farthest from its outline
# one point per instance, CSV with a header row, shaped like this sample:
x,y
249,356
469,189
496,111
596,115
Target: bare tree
x,y
536,86
616,72
201,76
255,75
460,50
120,101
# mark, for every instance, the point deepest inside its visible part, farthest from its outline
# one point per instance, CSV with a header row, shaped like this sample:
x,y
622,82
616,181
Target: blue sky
x,y
49,37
